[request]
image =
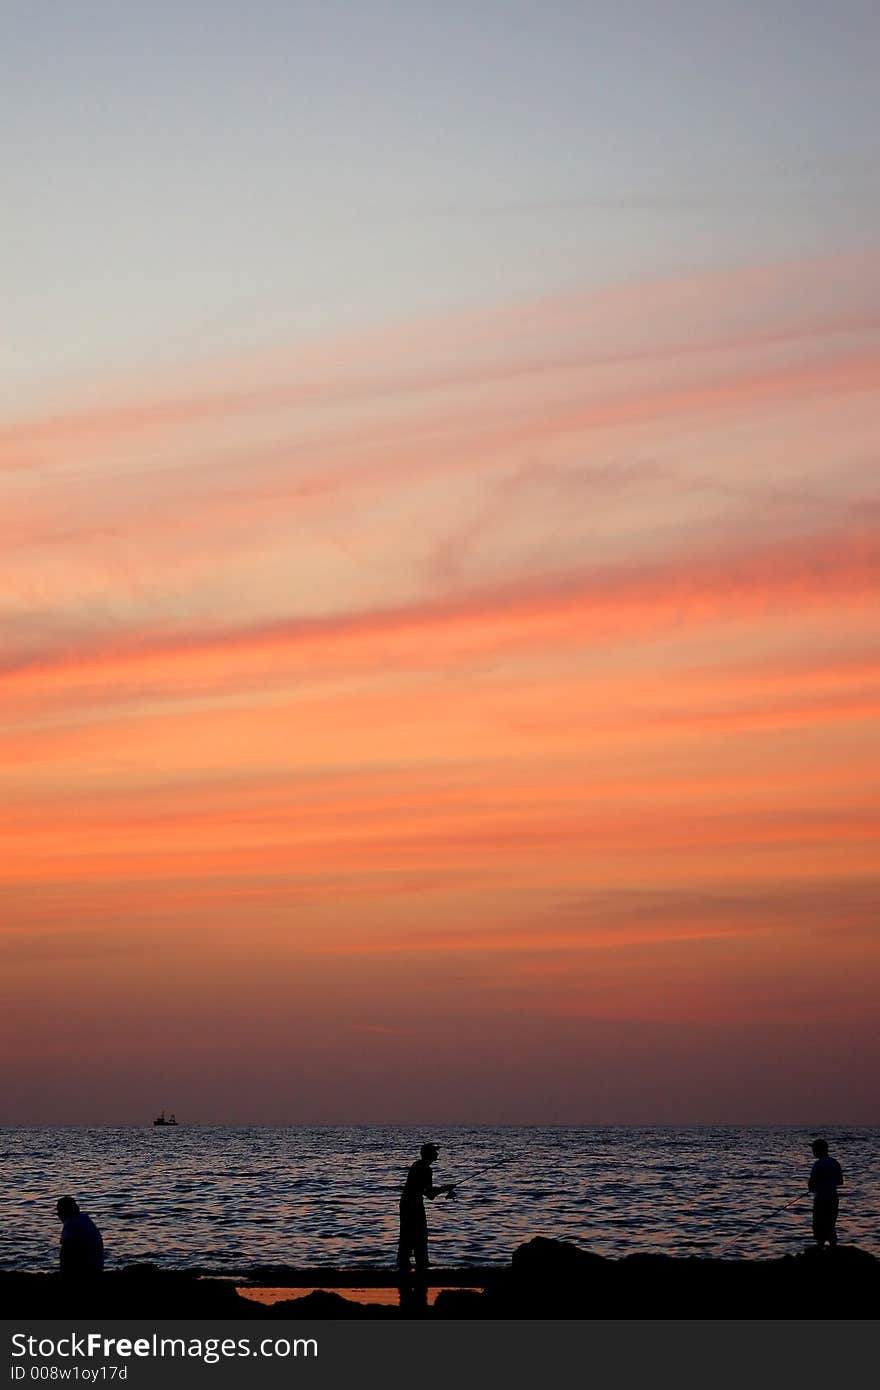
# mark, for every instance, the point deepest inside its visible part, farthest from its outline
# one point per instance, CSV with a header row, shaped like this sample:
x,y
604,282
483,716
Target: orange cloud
x,y
512,674
597,604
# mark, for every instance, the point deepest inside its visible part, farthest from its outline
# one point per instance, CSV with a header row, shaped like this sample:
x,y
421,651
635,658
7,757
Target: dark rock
x,y
461,1304
556,1260
546,1279
138,1291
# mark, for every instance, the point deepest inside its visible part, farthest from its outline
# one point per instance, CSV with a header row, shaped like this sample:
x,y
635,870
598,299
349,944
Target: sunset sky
x,y
440,564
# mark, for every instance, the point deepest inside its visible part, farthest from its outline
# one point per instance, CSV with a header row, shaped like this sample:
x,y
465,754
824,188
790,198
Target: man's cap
x,y
428,1149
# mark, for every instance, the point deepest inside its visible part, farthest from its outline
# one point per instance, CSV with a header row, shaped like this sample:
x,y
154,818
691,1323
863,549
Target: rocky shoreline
x,y
545,1279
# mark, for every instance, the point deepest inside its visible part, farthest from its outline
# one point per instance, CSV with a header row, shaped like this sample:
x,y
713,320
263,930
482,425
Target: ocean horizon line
x,y
810,1125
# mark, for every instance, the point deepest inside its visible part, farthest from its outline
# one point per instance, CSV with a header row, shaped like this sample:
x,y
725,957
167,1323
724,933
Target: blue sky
x,y
182,179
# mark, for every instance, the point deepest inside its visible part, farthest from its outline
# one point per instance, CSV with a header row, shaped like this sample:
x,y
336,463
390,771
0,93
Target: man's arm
x,y
811,1185
430,1191
71,1253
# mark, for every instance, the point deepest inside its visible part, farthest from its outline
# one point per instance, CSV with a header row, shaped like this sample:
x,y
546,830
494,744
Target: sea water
x,y
227,1198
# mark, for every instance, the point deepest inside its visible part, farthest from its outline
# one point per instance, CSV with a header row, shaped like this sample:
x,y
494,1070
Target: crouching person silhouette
x,y
82,1249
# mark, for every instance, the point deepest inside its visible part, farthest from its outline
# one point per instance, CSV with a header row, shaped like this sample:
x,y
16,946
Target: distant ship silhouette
x,y
161,1120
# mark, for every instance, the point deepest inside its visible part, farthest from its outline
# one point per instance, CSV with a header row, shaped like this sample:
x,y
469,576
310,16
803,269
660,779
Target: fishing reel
x,y
450,1195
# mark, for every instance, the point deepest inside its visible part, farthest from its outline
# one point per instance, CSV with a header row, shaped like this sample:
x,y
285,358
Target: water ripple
x,y
220,1197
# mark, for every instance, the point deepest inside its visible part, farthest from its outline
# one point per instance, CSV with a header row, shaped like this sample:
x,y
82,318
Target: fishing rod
x,y
478,1172
769,1217
450,1196
778,1212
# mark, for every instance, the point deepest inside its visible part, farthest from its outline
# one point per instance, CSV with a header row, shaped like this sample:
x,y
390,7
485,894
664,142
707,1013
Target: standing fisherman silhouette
x,y
413,1222
826,1176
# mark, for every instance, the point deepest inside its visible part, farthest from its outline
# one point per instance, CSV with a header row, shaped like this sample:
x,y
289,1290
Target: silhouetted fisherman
x,y
413,1222
82,1249
826,1176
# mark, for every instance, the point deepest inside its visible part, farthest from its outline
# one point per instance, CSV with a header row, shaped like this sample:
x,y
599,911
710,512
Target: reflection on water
x,y
228,1198
389,1297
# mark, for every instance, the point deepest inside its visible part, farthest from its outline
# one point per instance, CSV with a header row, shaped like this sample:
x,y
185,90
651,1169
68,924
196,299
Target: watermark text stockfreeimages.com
x,y
29,1352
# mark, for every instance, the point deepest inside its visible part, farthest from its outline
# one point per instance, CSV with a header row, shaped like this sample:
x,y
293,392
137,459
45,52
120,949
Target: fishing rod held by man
x,y
453,1187
826,1176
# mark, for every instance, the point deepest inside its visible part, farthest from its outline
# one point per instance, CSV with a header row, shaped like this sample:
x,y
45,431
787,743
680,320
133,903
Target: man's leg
x,y
420,1248
823,1222
832,1222
404,1245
